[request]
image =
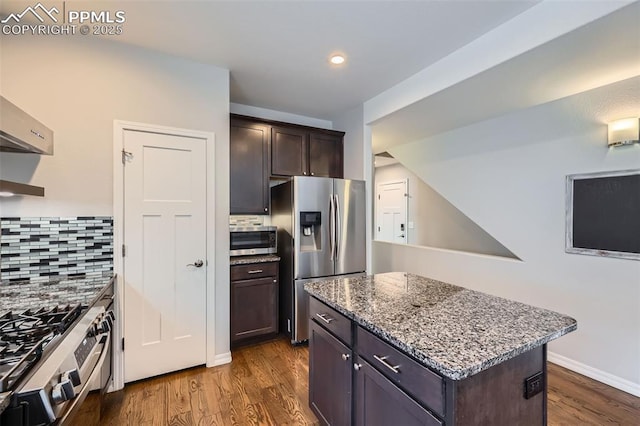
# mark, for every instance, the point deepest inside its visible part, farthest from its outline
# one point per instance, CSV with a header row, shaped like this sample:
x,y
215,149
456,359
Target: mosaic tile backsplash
x,y
44,248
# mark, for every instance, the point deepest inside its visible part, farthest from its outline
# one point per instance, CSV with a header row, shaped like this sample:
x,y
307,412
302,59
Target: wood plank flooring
x,y
267,384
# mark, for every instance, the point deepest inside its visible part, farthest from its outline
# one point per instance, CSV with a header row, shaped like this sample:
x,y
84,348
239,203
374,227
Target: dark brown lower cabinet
x,y
330,384
254,302
385,386
378,402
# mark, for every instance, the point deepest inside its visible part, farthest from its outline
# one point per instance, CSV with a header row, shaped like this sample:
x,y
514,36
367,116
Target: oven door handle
x,y
71,410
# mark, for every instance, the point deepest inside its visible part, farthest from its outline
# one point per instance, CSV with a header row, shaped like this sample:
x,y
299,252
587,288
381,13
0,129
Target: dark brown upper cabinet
x,y
260,149
289,151
326,155
299,151
249,167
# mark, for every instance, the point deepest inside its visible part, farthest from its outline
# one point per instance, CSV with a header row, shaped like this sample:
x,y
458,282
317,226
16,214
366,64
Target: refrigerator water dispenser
x,y
311,229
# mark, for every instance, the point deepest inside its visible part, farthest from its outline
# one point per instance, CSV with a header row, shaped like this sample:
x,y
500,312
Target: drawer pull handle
x,y
383,361
255,271
324,318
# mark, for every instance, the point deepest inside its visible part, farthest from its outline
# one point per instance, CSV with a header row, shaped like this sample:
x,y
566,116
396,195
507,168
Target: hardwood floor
x,y
573,399
266,384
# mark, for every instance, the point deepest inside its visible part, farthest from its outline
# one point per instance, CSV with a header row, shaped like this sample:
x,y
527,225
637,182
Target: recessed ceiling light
x,y
337,59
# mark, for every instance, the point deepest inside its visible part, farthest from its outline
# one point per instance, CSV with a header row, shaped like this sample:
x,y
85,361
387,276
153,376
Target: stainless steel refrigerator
x,y
321,233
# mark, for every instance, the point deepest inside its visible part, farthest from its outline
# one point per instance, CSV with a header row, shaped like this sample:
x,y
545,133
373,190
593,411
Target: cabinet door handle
x,y
357,367
324,318
255,271
383,361
345,357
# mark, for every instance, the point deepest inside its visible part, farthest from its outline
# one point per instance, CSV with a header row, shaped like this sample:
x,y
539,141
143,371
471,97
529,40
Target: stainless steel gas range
x,y
51,358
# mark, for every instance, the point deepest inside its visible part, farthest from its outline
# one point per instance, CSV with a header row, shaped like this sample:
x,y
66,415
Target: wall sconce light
x,y
624,132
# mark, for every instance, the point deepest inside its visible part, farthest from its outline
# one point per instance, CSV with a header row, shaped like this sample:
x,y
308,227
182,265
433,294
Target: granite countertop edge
x,y
454,374
248,260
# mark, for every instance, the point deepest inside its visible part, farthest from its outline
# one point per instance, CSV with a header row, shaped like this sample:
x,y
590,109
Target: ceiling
x,y
601,53
277,51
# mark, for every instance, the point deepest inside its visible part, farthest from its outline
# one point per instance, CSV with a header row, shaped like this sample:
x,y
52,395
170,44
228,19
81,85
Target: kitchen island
x,y
411,350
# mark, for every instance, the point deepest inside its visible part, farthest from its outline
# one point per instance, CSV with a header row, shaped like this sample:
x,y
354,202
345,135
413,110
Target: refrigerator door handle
x,y
332,229
337,226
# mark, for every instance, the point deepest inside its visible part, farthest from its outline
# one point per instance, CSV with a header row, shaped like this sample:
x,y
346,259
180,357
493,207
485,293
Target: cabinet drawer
x,y
379,402
330,319
254,270
417,380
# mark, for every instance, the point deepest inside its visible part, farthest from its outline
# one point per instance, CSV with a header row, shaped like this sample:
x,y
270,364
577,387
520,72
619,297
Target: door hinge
x,y
123,344
126,155
124,250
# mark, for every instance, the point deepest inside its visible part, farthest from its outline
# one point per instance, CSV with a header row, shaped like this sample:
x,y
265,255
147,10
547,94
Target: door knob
x,y
198,263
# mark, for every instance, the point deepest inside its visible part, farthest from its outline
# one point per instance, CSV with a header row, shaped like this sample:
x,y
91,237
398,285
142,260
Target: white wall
x,y
436,222
78,86
351,122
508,176
286,117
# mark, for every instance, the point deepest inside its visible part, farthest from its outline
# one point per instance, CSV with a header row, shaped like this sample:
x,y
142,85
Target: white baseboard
x,y
220,359
595,374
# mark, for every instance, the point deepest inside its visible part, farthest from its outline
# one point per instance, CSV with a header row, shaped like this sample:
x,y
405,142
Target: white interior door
x,y
391,208
165,240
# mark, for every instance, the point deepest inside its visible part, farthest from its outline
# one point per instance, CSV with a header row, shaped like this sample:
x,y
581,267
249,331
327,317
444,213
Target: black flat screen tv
x,y
603,214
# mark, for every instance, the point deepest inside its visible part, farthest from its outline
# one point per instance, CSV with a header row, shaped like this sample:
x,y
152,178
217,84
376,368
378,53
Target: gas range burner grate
x,y
24,336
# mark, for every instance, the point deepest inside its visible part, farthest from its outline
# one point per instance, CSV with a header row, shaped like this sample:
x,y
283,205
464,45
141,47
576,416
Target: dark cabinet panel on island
x,y
329,377
336,323
378,402
417,380
249,167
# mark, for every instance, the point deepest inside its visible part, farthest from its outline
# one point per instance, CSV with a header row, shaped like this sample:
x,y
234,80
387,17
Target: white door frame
x,y
119,127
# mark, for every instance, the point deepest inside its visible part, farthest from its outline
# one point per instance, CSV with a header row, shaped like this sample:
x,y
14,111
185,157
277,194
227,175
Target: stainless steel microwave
x,y
253,240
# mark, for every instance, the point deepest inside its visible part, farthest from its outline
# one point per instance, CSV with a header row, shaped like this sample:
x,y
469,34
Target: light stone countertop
x,y
247,260
453,330
20,296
